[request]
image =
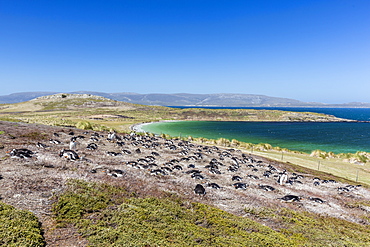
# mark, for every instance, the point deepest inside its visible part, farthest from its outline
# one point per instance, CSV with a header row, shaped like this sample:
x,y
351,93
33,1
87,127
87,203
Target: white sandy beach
x,y
139,127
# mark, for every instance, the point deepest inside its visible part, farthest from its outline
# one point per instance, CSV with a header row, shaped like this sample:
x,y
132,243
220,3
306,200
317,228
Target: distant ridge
x,y
21,97
185,99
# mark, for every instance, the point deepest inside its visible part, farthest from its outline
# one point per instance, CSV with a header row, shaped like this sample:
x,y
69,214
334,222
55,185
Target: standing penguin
x,y
283,178
72,144
111,136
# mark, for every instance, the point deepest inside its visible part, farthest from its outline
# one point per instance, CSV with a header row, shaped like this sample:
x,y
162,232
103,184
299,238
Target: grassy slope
x,y
111,216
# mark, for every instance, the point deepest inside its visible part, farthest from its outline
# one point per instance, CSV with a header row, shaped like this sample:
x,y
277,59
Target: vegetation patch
x,y
314,230
110,216
83,198
19,228
35,136
10,119
85,125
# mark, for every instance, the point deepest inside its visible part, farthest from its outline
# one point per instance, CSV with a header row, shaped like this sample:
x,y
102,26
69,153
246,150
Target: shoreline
x,y
138,126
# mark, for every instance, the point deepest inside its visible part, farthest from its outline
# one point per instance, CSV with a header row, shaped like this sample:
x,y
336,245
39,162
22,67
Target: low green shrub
x,y
111,216
85,125
107,216
83,197
19,228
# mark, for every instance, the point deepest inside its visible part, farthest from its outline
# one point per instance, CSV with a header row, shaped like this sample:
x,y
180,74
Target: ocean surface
x,y
342,137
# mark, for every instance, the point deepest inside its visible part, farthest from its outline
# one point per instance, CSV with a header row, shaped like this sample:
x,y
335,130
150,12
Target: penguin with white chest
x,y
283,178
73,144
69,154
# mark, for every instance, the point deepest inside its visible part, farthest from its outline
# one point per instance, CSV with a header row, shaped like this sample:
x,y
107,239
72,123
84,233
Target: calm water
x,y
335,137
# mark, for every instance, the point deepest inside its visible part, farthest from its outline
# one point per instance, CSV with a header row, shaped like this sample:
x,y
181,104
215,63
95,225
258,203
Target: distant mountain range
x,y
184,99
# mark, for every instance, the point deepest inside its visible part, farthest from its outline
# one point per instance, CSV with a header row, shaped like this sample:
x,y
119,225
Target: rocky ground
x,y
145,163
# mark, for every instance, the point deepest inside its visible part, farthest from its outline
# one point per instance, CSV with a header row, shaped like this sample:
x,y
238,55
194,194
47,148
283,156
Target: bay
x,y
337,137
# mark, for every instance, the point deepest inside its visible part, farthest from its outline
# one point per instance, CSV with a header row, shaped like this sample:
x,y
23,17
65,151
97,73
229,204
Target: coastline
x,y
138,126
258,132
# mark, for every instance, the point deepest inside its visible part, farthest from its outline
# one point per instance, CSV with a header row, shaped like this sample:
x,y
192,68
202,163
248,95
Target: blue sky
x,y
310,50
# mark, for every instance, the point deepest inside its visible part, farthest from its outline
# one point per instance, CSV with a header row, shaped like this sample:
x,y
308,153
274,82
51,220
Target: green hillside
x,y
103,113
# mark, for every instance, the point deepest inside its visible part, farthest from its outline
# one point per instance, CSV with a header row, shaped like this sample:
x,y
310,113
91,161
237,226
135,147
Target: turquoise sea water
x,y
344,137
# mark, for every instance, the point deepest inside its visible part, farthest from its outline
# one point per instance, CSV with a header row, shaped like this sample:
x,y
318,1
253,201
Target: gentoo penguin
x,y
343,189
199,190
267,174
290,198
236,178
41,145
111,136
316,183
232,169
69,154
197,176
214,171
125,151
120,144
177,167
315,199
283,178
193,171
214,185
158,172
54,141
72,144
92,146
266,187
114,173
253,177
21,153
242,186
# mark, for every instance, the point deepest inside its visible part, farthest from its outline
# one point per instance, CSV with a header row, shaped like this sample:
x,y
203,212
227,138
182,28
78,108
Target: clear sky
x,y
310,50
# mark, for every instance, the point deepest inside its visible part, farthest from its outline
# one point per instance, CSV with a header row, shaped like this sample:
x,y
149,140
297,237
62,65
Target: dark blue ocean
x,y
338,137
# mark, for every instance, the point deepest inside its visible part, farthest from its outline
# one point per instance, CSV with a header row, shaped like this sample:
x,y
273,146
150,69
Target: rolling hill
x,y
185,99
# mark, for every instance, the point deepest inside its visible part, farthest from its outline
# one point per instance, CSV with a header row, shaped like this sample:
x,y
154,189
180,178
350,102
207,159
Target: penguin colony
x,y
209,173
